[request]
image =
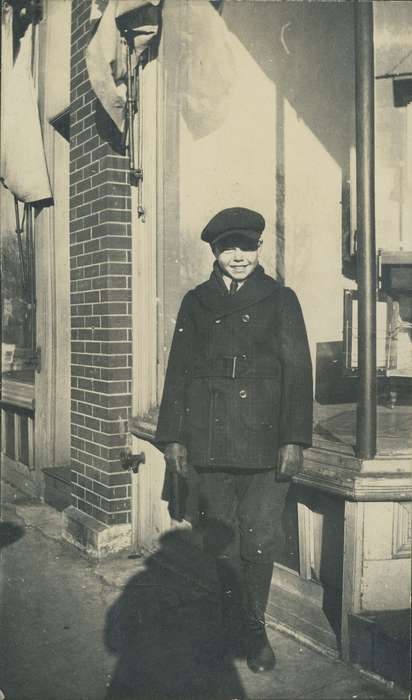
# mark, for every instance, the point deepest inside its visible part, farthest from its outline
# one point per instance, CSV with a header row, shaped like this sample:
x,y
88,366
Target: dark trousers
x,y
237,512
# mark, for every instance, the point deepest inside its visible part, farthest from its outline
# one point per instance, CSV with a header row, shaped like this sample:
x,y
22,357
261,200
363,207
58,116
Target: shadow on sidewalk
x,y
9,533
166,634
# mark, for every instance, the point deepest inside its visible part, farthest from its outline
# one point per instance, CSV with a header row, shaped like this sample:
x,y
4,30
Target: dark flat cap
x,y
231,222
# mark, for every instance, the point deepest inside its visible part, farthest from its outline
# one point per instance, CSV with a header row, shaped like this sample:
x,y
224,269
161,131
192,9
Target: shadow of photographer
x,y
165,630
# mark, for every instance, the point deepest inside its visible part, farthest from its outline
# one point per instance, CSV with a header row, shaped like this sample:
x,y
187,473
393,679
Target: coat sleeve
x,y
170,426
297,391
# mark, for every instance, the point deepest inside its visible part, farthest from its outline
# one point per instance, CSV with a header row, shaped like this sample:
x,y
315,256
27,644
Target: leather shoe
x,y
260,656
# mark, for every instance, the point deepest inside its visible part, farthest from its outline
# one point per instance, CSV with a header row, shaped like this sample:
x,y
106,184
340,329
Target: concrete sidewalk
x,y
74,629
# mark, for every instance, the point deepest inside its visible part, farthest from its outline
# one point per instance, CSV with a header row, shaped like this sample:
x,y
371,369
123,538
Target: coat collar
x,y
214,296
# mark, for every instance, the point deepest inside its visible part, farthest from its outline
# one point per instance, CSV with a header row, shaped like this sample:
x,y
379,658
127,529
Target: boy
x,y
236,413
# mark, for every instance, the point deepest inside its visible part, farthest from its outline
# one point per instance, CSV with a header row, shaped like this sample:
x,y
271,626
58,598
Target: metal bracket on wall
x,y
130,461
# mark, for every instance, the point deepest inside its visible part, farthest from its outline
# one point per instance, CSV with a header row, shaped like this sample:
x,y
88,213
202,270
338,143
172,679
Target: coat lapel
x,y
214,296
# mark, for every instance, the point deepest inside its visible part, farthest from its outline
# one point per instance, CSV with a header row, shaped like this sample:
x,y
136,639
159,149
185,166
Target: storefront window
x,y
337,363
18,292
393,99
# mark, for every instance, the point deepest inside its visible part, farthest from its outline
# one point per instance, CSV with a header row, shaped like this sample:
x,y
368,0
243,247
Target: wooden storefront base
x,y
376,532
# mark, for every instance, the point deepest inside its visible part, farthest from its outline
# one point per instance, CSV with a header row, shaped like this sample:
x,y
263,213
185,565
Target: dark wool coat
x,y
239,379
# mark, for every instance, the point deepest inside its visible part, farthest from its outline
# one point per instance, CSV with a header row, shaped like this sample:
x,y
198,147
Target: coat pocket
x,y
261,409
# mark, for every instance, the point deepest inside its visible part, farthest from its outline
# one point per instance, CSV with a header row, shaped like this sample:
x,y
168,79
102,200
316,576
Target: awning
x,y
106,55
23,168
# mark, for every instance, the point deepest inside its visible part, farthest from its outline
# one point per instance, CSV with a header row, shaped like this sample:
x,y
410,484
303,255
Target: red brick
x,y
110,387
92,271
86,434
92,424
97,474
112,334
86,384
77,347
115,268
77,298
77,491
109,282
92,448
116,163
115,295
92,372
91,194
110,308
83,285
76,153
91,170
85,136
116,505
85,408
100,299
115,229
84,185
116,374
93,498
77,419
77,394
92,246
105,255
92,297
116,322
111,203
114,216
110,414
94,321
83,161
83,211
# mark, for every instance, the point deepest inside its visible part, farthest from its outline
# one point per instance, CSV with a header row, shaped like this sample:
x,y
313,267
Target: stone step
x,y
57,487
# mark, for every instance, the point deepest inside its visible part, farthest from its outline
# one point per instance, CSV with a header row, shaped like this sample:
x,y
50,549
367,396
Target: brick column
x,y
100,262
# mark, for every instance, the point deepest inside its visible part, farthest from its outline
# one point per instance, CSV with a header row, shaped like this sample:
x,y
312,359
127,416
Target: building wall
x,y
267,122
100,245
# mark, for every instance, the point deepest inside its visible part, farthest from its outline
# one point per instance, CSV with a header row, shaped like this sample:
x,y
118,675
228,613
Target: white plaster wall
x,y
234,164
313,225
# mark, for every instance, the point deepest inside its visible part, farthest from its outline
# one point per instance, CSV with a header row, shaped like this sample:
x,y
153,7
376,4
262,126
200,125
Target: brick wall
x,y
100,262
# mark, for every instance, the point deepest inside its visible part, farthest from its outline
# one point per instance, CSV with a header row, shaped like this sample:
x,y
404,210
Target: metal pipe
x,y
366,244
130,107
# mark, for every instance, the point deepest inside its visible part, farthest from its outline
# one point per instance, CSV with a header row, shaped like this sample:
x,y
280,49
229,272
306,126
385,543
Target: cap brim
x,y
237,233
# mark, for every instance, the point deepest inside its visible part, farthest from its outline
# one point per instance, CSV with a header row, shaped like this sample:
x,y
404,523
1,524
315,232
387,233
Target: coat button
x,y
245,318
242,393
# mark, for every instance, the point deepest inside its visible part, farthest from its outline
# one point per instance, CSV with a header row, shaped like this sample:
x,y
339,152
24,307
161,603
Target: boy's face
x,y
237,257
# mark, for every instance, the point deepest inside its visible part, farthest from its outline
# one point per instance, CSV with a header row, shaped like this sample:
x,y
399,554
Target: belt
x,y
234,367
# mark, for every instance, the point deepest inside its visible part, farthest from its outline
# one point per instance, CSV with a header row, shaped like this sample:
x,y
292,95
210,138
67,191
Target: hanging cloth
x,y
106,54
23,163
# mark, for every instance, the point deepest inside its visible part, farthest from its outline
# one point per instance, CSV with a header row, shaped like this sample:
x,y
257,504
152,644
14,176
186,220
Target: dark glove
x,y
290,461
175,456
